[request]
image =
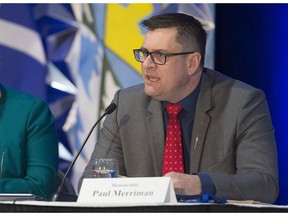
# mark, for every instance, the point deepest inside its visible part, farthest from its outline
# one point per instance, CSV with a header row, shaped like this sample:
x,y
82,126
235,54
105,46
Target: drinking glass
x,y
105,168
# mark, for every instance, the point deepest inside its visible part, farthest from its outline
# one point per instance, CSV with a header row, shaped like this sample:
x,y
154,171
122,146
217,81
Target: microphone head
x,y
110,108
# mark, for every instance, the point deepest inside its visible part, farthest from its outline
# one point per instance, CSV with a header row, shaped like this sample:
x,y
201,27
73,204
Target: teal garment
x,y
28,145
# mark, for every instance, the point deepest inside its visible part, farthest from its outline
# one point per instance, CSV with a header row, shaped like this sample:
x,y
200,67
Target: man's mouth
x,y
152,78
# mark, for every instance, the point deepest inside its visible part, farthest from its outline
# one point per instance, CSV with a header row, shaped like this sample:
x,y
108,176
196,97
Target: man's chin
x,y
153,95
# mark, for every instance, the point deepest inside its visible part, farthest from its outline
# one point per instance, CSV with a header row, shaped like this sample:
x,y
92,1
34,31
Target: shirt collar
x,y
188,102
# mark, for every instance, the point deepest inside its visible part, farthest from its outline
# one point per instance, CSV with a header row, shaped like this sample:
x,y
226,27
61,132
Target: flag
x,y
22,55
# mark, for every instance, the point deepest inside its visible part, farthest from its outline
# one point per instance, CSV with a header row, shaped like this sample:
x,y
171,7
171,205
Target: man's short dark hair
x,y
190,32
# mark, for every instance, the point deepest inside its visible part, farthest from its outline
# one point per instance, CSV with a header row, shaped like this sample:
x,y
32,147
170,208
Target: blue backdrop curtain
x,y
251,45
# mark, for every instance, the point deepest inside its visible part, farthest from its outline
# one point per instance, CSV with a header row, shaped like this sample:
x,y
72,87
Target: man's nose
x,y
148,62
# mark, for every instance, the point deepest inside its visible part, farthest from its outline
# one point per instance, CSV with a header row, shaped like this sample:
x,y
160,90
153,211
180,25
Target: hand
x,y
185,184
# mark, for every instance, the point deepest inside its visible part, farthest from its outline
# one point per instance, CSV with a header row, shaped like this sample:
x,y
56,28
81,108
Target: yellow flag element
x,y
122,32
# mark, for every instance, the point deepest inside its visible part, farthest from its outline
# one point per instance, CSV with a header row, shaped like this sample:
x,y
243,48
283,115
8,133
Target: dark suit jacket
x,y
232,140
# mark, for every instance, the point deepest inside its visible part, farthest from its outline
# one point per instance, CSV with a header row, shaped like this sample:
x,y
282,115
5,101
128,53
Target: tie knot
x,y
174,109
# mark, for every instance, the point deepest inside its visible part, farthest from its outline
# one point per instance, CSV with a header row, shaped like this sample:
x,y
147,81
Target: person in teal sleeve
x,y
28,145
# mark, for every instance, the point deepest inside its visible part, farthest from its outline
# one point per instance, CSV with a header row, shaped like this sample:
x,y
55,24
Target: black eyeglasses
x,y
157,57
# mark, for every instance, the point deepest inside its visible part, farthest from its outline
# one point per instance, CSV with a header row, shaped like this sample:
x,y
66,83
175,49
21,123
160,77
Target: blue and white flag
x,y
22,55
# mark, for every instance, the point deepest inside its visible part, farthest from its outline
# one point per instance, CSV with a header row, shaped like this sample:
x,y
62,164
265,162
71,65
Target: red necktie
x,y
173,159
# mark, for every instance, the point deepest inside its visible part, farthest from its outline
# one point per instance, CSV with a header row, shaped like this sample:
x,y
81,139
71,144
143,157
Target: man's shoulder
x,y
220,80
134,97
133,91
134,88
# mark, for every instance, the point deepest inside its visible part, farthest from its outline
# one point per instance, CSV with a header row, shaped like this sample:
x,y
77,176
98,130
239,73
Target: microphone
x,y
61,196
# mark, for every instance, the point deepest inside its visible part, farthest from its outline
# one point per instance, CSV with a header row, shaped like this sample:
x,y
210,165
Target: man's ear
x,y
194,61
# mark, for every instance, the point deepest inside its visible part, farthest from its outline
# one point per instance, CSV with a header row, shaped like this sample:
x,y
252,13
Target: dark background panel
x,y
252,46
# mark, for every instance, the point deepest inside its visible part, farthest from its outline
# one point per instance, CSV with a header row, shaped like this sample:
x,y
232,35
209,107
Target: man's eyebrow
x,y
159,50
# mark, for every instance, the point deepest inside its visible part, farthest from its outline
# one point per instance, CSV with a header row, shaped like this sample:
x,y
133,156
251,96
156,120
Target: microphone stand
x,y
59,195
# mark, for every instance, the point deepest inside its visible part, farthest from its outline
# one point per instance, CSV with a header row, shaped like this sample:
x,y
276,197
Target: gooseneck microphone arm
x,y
57,196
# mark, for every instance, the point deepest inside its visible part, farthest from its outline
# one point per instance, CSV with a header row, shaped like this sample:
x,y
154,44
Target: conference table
x,y
46,206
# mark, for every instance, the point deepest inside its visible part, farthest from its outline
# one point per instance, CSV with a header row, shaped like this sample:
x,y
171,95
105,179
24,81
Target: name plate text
x,y
127,190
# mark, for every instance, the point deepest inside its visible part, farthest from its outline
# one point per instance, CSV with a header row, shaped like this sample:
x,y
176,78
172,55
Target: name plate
x,y
127,190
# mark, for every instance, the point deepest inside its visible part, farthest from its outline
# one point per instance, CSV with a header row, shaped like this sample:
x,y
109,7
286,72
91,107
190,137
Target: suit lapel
x,y
155,126
156,139
201,123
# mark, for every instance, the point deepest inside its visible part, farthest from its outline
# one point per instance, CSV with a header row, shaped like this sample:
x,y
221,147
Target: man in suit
x,y
226,133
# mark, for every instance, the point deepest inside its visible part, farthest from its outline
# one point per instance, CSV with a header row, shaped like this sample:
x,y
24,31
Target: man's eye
x,y
144,53
159,54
